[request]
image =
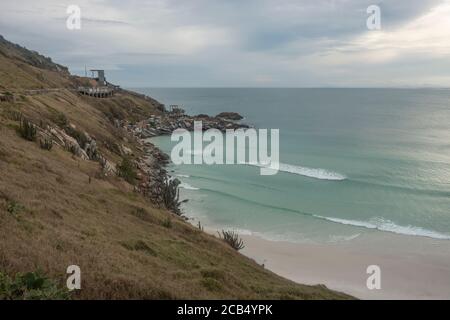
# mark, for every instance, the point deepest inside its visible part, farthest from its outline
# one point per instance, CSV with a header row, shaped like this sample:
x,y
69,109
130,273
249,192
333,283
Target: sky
x,y
241,43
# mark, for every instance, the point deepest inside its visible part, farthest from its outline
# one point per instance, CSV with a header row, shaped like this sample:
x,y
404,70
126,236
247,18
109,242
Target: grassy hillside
x,y
57,209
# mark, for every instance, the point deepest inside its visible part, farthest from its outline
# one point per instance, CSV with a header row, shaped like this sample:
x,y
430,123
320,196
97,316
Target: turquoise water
x,y
390,147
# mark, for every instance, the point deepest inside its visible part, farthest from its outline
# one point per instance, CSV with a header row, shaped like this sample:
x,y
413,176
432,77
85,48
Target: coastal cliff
x,y
80,186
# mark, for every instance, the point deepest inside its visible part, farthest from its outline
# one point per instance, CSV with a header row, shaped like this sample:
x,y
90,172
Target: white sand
x,y
411,267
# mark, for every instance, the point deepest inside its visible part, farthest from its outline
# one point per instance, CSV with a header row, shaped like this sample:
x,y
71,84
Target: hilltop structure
x,y
101,80
100,88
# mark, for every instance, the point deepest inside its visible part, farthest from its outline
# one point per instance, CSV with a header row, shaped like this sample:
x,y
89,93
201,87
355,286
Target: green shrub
x,y
171,196
30,286
46,144
27,130
217,274
126,170
167,223
14,115
14,208
232,239
211,284
59,119
141,213
115,112
139,245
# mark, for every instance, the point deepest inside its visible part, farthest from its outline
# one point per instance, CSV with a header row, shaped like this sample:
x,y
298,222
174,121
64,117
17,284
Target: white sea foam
x,y
182,175
389,226
187,186
316,173
334,238
242,232
321,174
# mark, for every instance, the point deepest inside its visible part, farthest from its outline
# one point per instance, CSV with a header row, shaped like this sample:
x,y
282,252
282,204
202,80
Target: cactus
x,y
27,130
232,239
171,195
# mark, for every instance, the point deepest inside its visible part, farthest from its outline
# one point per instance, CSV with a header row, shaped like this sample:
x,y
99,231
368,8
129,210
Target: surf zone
x,y
240,146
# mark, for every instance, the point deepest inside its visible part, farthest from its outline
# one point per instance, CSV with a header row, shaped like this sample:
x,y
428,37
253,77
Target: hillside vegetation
x,y
59,209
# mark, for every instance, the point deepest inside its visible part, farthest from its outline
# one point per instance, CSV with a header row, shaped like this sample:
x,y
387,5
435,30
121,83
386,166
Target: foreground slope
x,y
57,209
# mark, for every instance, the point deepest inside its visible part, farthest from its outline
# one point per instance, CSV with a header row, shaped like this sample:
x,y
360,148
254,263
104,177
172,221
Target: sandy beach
x,y
411,267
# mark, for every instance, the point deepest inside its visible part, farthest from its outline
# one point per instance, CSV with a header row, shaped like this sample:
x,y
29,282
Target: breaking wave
x,y
321,174
379,223
187,186
316,173
389,226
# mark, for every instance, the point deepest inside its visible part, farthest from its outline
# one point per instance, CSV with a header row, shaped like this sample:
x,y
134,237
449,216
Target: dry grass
x,y
17,75
114,235
55,211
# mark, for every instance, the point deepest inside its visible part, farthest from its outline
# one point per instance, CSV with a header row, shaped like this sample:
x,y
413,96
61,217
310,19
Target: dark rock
x,y
230,116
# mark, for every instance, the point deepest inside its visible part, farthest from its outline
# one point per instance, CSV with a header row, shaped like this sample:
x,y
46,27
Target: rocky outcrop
x,y
164,124
91,150
152,175
108,167
67,142
153,179
234,116
125,151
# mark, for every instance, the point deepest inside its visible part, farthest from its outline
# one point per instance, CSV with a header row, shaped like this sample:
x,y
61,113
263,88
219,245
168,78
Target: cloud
x,y
241,43
404,55
97,21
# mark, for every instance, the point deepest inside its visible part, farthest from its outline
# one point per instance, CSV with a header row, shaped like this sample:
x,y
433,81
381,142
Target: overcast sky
x,y
241,43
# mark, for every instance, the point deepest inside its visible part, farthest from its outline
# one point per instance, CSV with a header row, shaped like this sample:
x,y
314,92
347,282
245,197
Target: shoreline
x,y
411,267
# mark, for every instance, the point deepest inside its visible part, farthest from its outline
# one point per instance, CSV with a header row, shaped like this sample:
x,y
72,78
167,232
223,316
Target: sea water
x,y
352,161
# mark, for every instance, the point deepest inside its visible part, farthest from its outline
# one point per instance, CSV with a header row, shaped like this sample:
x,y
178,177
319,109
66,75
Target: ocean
x,y
353,161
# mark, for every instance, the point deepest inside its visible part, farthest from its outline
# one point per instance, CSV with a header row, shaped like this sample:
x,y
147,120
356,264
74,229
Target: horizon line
x,y
287,87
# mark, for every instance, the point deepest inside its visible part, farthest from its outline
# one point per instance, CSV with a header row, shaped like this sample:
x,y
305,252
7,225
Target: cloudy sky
x,y
241,43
